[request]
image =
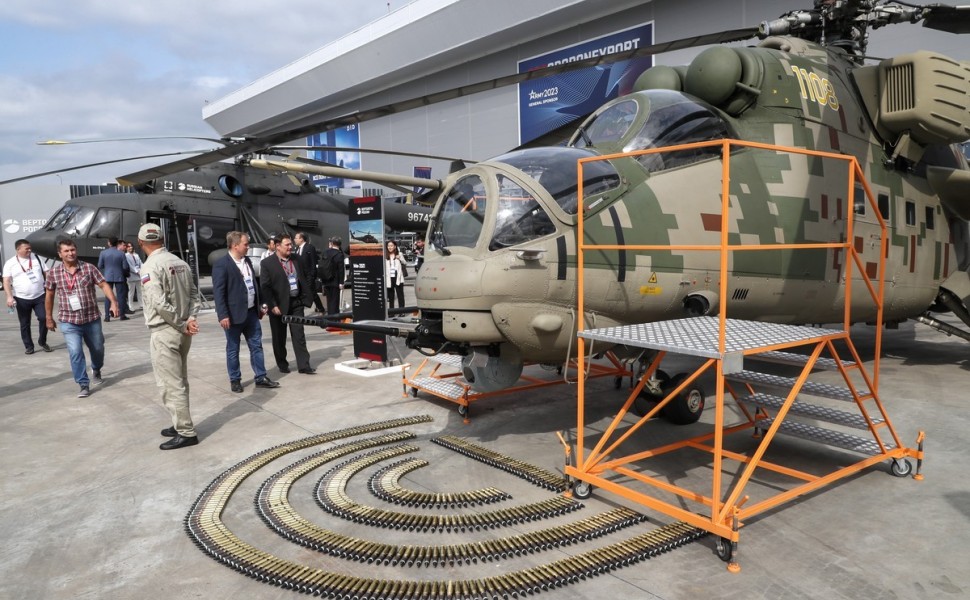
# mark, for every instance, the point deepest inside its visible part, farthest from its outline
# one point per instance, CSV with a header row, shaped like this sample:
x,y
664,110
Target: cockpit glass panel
x,y
78,223
610,125
676,118
61,217
519,217
107,224
462,215
555,169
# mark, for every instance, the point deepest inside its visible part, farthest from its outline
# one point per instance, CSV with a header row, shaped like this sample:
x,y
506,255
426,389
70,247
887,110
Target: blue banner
x,y
342,137
555,101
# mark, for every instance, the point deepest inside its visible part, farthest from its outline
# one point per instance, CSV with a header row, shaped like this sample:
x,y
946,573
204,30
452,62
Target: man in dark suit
x,y
332,274
308,257
238,310
285,290
113,264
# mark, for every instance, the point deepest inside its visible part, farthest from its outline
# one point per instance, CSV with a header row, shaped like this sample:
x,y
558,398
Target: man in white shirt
x,y
23,281
134,279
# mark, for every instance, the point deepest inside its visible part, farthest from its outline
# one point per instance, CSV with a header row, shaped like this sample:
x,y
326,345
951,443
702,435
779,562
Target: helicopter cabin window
x,y
676,118
859,200
556,170
611,124
519,217
107,224
883,201
910,213
61,217
78,223
462,215
930,218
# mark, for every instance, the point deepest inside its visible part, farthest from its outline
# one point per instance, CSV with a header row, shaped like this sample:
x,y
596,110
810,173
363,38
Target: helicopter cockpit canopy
x,y
668,118
503,204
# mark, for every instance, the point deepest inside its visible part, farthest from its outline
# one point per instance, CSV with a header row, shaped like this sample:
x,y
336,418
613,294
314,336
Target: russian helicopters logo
x,y
25,225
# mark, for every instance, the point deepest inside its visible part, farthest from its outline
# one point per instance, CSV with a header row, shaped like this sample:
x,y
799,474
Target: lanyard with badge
x,y
29,271
290,269
248,278
73,298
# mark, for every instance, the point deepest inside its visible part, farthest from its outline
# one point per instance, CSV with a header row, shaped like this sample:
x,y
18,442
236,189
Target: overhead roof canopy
x,y
391,59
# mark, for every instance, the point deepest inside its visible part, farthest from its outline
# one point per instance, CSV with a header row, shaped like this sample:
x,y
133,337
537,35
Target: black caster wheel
x,y
414,392
901,468
724,549
462,410
582,490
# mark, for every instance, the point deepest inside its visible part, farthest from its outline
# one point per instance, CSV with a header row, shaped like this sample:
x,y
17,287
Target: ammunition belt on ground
x,y
331,494
204,524
531,473
385,484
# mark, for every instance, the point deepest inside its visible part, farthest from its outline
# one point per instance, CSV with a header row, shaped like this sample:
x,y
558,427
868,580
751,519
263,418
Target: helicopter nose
x,y
43,243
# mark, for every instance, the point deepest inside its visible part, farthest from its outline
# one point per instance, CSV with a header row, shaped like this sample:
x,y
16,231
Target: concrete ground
x,y
91,508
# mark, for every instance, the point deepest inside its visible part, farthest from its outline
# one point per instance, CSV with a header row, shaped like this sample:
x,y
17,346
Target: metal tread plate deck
x,y
698,336
812,411
814,388
451,360
439,387
791,358
828,436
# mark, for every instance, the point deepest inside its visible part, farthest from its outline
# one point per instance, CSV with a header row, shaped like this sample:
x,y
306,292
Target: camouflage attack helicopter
x,y
498,284
499,281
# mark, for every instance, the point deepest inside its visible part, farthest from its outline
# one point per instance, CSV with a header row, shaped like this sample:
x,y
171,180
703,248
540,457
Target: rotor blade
x,y
251,145
952,19
97,164
374,176
224,142
374,151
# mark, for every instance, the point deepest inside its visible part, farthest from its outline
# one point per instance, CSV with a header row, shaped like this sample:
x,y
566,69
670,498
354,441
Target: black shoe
x,y
308,371
129,312
85,392
266,382
169,432
179,442
46,348
97,377
123,318
284,369
107,319
29,351
236,386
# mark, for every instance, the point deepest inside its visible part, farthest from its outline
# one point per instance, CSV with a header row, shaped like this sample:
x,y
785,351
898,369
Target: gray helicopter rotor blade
x,y
952,19
97,164
254,145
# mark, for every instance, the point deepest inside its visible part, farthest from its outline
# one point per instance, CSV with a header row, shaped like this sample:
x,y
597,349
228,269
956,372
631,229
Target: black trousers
x,y
395,290
332,292
24,308
278,329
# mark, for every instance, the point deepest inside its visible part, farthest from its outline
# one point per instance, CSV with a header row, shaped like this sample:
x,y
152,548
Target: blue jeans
x,y
253,333
92,335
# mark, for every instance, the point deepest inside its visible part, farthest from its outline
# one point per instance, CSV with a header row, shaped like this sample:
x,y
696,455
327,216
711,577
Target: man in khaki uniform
x,y
170,299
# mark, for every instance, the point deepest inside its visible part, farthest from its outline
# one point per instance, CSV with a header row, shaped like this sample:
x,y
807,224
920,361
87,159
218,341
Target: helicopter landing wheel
x,y
687,407
645,400
582,490
901,468
724,549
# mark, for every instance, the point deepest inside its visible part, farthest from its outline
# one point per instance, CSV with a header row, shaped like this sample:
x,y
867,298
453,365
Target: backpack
x,y
328,270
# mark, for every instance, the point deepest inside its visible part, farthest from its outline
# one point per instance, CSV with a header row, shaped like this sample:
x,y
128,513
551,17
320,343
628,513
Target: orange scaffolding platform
x,y
726,347
441,376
